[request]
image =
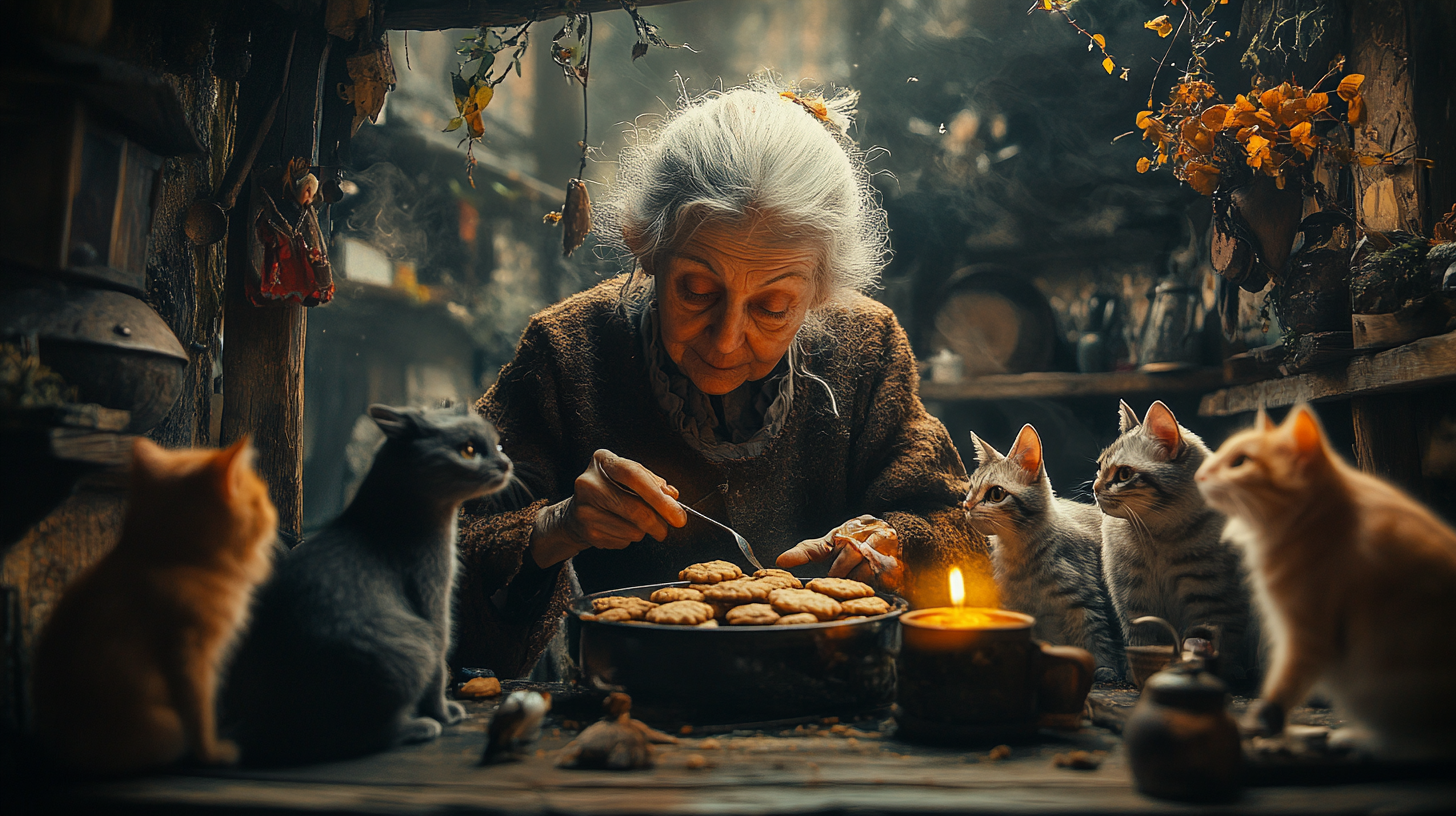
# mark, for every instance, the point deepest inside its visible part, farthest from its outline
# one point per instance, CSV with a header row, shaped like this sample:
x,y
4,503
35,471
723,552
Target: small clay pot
x,y
1181,742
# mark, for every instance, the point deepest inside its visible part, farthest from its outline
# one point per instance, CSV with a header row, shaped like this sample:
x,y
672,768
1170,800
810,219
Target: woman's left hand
x,y
864,548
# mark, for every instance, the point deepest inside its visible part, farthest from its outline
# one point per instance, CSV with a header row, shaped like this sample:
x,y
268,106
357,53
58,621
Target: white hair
x,y
748,154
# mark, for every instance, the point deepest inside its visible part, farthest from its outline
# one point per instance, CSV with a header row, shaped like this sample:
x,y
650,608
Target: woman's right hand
x,y
599,514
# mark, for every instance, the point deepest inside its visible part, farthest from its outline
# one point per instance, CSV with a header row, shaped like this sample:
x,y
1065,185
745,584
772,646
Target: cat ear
x,y
397,423
1262,421
1126,417
233,465
1162,426
1305,428
146,457
1026,453
985,454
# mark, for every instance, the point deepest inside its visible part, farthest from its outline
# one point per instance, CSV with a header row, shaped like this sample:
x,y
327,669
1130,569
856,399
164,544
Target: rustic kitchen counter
x,y
823,767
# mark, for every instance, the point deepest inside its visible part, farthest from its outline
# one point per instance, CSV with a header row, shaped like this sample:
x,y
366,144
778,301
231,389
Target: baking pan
x,y
740,674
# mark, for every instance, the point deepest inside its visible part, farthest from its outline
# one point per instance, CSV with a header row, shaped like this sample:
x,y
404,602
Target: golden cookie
x,y
681,613
622,602
670,594
841,589
795,619
850,617
778,576
754,614
738,592
699,587
866,606
711,572
620,614
708,624
790,601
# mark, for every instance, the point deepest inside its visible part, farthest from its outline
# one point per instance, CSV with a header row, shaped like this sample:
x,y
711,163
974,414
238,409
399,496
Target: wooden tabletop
x,y
814,768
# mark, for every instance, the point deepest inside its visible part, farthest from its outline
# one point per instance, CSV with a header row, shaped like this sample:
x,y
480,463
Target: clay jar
x,y
1181,742
988,682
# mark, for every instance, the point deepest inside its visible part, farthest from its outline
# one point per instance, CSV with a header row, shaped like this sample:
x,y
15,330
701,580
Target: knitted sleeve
x,y
505,615
910,474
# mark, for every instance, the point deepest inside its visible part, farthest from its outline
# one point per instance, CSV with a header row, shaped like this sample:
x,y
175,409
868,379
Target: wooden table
x,y
816,768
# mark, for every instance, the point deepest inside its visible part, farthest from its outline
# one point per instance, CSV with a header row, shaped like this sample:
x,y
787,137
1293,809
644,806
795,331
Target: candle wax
x,y
957,618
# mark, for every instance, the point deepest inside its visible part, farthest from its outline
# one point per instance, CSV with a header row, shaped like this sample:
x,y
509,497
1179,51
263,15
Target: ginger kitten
x,y
1047,550
1357,583
126,668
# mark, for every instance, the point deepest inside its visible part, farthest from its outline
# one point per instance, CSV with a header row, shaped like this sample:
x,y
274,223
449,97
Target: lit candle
x,y
957,616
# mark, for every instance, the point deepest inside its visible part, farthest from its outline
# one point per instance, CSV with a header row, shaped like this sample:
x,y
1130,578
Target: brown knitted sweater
x,y
578,383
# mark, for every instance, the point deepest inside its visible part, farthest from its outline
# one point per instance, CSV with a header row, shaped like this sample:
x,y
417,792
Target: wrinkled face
x,y
730,301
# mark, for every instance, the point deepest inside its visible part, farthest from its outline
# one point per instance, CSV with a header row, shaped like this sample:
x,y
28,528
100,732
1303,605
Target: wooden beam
x,y
1057,384
1428,361
1386,198
263,347
437,15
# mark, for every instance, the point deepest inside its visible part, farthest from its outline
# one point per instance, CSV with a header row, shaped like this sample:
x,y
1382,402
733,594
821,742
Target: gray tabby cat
x,y
346,654
1164,549
1046,551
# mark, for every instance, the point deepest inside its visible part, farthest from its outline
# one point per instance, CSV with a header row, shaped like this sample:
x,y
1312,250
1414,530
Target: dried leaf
x,y
1303,138
1350,87
1356,115
1100,40
1162,25
1215,117
1258,148
1202,177
576,215
1108,64
639,50
1144,164
1317,102
454,124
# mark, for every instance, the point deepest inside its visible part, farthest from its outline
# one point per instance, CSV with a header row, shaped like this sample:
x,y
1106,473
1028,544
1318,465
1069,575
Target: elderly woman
x,y
738,370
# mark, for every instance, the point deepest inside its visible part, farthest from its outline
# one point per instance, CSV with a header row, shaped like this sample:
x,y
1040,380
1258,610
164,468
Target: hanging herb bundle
x,y
474,93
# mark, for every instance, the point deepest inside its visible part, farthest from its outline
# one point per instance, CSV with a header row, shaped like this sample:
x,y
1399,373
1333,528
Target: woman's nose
x,y
731,330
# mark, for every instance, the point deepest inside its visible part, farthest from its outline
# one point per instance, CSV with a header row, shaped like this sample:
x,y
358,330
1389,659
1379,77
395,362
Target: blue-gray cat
x,y
346,653
1046,551
1165,551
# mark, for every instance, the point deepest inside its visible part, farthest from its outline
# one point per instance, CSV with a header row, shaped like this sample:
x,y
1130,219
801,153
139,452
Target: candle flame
x,y
957,587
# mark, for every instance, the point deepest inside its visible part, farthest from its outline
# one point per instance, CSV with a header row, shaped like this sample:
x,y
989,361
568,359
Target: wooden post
x,y
263,347
1388,438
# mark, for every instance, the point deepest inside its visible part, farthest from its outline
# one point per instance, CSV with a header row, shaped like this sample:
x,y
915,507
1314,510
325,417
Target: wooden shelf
x,y
1057,384
1428,361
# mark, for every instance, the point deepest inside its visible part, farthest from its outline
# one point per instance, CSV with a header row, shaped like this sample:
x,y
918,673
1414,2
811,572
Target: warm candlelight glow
x,y
957,587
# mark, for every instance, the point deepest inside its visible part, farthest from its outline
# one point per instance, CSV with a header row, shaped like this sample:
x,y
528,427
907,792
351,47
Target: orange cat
x,y
1357,582
126,669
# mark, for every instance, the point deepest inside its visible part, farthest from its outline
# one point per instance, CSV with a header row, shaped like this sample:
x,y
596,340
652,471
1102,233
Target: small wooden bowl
x,y
1145,661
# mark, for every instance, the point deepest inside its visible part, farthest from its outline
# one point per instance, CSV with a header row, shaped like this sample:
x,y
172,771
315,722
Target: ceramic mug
x,y
987,683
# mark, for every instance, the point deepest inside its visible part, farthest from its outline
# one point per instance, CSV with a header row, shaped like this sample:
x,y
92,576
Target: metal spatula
x,y
742,542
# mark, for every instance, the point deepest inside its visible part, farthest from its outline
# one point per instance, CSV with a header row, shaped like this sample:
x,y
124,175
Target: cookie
x,y
711,572
790,601
754,614
738,592
795,619
699,587
708,624
670,594
841,589
681,613
636,606
866,606
619,614
786,579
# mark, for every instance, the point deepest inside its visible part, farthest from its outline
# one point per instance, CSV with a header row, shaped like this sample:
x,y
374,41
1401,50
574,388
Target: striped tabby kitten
x,y
1356,580
1164,549
1046,550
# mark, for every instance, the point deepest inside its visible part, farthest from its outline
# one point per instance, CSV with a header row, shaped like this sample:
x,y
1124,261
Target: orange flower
x,y
1202,177
1259,152
1303,138
1162,25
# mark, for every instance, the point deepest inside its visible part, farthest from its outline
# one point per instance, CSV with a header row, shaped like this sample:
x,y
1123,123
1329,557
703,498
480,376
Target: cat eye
x,y
1123,473
995,494
1238,460
468,451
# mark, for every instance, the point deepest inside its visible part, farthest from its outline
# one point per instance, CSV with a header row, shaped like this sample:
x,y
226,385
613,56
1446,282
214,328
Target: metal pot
x,y
740,674
114,349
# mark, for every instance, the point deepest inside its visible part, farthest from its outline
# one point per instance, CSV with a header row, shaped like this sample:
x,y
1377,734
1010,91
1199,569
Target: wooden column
x,y
263,347
1387,436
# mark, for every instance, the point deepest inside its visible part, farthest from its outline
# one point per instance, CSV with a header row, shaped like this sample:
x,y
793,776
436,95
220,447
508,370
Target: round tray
x,y
738,674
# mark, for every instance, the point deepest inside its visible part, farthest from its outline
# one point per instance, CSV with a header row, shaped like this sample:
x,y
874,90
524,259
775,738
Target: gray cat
x,y
1047,551
1165,551
346,653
